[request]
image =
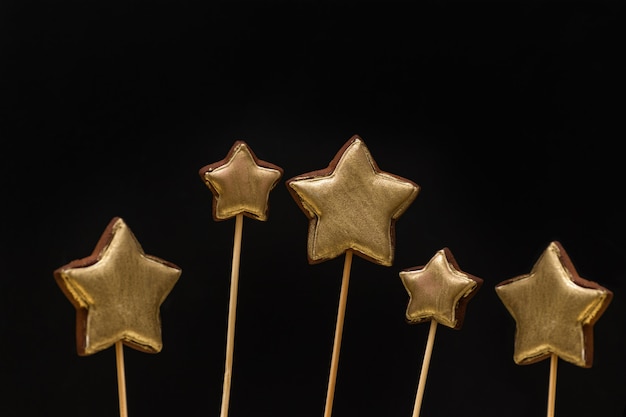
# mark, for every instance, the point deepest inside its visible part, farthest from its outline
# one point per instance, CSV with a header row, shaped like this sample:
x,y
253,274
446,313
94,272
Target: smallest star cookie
x,y
439,291
240,183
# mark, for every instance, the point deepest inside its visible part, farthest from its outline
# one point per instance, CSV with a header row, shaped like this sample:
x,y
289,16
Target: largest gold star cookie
x,y
117,292
240,183
352,205
554,310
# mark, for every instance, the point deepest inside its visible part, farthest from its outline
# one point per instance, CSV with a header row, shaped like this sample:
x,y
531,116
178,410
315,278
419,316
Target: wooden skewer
x,y
232,309
552,385
341,312
424,372
121,378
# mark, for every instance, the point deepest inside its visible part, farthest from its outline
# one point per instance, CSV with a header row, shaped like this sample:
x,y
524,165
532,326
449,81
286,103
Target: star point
x,y
439,291
352,205
554,310
117,292
240,183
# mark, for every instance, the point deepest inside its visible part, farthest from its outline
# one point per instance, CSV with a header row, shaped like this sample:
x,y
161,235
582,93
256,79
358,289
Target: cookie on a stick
x,y
438,293
117,292
352,207
554,310
241,184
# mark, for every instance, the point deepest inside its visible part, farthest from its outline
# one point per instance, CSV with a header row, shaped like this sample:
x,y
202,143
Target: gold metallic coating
x,y
439,291
554,310
352,205
118,292
241,183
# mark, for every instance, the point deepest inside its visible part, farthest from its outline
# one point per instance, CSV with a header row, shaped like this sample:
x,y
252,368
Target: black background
x,y
507,115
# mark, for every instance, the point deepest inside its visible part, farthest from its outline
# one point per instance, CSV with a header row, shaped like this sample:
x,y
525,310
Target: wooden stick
x,y
121,378
232,308
341,312
552,385
425,364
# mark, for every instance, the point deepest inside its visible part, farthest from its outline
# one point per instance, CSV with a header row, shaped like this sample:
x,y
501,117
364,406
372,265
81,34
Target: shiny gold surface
x,y
352,204
241,183
439,291
554,310
117,292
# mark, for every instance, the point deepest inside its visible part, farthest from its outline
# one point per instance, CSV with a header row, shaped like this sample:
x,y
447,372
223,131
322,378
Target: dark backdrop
x,y
508,115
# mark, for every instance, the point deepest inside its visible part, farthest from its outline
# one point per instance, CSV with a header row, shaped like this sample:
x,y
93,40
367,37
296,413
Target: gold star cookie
x,y
439,291
352,205
117,292
240,183
554,310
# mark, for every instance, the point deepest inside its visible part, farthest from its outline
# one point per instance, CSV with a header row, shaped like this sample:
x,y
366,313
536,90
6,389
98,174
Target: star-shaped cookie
x,y
439,290
554,310
117,292
240,183
352,205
